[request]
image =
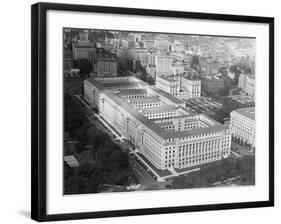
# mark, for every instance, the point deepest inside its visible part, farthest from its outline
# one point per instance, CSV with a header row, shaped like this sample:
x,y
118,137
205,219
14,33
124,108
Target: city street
x,y
241,150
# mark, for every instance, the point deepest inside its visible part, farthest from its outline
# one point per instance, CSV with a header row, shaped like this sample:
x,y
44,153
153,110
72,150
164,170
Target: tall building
x,y
212,84
247,83
242,125
137,37
106,66
192,86
83,37
177,46
67,62
180,87
250,85
242,81
162,44
127,43
169,84
149,44
140,54
208,65
163,65
83,48
159,126
151,70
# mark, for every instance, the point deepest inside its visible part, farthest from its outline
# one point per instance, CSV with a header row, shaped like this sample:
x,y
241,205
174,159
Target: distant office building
x,y
176,46
253,67
162,45
142,55
83,48
242,124
67,61
169,84
127,43
208,65
247,84
163,65
83,37
151,70
151,57
212,84
181,87
149,44
106,66
192,86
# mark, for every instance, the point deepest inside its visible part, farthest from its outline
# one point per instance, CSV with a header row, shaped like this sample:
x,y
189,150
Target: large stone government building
x,y
157,123
242,125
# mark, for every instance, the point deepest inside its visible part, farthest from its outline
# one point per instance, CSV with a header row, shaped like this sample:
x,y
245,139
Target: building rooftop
x,y
161,108
247,112
167,95
144,99
156,128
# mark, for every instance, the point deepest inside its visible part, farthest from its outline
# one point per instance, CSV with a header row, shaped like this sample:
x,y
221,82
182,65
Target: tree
x,y
68,172
81,134
84,65
118,160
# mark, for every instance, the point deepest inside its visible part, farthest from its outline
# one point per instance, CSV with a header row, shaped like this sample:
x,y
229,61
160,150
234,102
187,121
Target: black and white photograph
x,y
141,111
146,111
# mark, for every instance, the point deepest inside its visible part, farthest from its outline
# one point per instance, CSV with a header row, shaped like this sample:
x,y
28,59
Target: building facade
x,y
242,125
247,83
191,86
163,65
212,85
169,84
162,44
208,65
83,48
158,124
106,67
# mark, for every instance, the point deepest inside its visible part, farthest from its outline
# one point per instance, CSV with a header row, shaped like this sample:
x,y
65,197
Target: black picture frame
x,y
38,108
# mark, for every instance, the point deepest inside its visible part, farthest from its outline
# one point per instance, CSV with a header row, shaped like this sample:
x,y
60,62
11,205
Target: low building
x,y
169,84
178,69
167,134
192,86
151,70
162,44
180,87
242,125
